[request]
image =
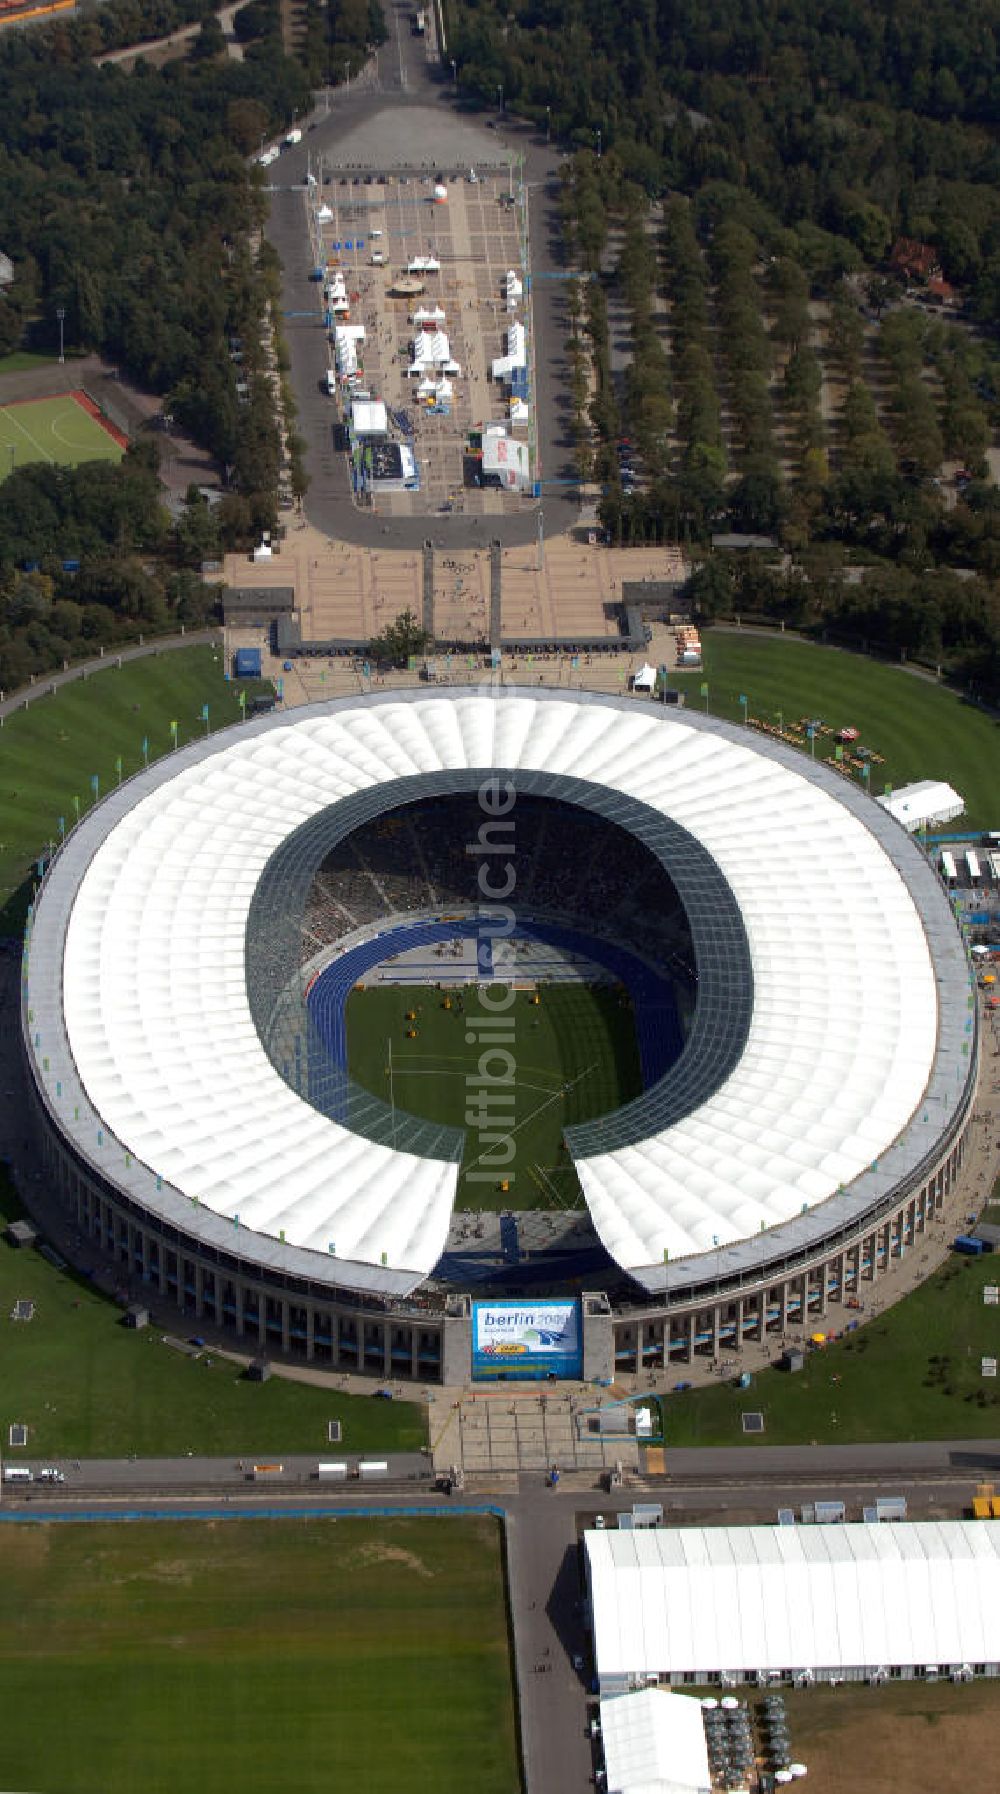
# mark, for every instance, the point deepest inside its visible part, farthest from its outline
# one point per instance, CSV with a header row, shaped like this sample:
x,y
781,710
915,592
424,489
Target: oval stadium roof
x,y
145,911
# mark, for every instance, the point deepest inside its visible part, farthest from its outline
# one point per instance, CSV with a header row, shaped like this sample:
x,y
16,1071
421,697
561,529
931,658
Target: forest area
x,y
786,225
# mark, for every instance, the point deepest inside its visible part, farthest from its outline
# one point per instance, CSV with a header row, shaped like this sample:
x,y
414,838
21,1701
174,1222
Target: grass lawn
x,y
923,730
914,1373
904,1735
21,361
576,1057
57,430
88,1387
257,1655
50,751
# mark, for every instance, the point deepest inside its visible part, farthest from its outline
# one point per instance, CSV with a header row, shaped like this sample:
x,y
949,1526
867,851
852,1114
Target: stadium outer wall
x,y
427,1338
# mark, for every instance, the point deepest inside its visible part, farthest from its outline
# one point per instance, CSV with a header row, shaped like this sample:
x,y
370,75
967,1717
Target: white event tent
x,y
654,1743
818,1602
922,803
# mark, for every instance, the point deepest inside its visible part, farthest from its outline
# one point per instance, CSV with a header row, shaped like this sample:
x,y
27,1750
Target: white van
x,y
18,1473
375,235
378,258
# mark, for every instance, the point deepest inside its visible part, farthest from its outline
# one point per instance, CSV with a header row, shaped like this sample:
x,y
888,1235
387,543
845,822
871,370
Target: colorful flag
x,y
95,783
204,713
704,691
838,753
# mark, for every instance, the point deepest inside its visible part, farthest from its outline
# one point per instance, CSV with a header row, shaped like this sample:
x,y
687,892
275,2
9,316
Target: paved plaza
x,y
371,228
564,589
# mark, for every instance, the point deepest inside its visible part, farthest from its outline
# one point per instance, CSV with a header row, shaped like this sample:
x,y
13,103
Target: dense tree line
x,y
846,123
89,557
129,201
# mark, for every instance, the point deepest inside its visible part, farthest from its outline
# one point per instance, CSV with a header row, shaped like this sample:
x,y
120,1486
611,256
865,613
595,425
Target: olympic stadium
x,y
776,954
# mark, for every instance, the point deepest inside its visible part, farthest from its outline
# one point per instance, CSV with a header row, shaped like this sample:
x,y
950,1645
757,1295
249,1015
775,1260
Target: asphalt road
x,y
405,115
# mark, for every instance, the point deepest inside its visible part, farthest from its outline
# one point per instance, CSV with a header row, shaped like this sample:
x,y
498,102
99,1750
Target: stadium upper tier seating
x,y
567,863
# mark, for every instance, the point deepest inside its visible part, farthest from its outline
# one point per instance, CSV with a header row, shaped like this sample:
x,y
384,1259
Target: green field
x,y
50,752
55,430
923,730
88,1387
257,1656
22,361
576,1057
912,1373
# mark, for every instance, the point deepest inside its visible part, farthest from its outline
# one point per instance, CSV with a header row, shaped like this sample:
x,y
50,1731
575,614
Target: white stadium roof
x,y
169,1076
827,1597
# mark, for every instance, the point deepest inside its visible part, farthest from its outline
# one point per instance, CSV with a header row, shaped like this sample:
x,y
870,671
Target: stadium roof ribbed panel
x,y
841,1039
817,1598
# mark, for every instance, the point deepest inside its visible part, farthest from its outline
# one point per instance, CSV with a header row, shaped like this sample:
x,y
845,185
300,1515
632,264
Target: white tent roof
x,y
369,417
654,1743
927,800
706,1599
430,348
153,995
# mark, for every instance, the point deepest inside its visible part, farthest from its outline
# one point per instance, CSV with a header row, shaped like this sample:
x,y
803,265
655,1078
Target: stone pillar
x,y
692,1328
387,1349
199,1291
310,1332
740,1316
286,1343
822,1275
415,1353
716,1322
598,1336
640,1342
456,1343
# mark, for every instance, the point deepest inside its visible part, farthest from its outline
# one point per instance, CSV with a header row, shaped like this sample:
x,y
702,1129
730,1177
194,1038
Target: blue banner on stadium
x,y
526,1339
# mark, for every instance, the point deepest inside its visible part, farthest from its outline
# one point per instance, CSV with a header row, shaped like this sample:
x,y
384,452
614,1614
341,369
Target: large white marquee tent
x,y
818,1601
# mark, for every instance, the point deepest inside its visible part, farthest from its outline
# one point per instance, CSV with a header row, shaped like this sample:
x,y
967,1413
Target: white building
x,y
515,353
369,418
346,338
512,289
423,264
805,1603
431,352
507,460
654,1743
428,314
923,804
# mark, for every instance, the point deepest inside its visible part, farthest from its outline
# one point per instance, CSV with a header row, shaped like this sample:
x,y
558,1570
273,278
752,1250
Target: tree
x,y
399,641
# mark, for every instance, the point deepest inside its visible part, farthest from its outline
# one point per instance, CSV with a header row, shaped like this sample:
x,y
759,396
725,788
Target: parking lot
x,y
475,236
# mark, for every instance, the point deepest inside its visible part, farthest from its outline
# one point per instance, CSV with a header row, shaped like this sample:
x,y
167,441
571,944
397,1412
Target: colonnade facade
x,y
840,1282
427,1338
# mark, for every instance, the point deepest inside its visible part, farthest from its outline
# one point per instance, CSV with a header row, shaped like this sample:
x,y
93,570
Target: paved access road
x,y
403,115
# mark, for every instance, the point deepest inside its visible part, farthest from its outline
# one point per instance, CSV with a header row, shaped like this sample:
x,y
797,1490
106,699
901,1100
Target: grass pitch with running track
x,y
256,1655
575,1054
60,431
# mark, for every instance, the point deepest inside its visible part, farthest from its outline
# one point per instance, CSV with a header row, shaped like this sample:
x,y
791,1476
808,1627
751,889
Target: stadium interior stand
x,y
569,864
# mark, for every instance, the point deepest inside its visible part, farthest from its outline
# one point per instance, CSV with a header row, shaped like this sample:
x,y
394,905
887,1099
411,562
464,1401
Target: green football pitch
x,y
575,1057
257,1655
61,431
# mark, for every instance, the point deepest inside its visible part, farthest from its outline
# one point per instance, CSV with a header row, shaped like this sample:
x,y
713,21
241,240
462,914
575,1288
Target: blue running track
x,y
658,1030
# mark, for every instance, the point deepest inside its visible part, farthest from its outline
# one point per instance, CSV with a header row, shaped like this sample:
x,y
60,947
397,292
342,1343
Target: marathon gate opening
x,y
526,1339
